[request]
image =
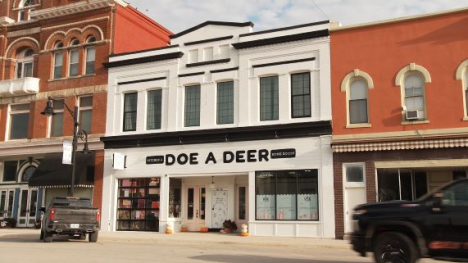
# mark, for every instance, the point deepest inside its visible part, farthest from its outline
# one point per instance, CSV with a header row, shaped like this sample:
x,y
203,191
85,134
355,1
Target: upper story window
x,y
10,169
90,56
414,97
19,121
74,59
192,106
300,95
462,74
269,98
225,103
130,111
411,80
85,114
24,63
58,61
56,121
358,103
466,92
22,13
154,110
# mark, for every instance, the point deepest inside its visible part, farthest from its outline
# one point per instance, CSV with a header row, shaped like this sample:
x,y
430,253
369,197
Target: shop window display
x,y
287,195
138,204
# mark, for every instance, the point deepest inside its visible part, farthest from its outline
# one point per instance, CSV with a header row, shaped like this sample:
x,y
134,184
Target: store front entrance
x,y
196,207
6,203
27,208
219,211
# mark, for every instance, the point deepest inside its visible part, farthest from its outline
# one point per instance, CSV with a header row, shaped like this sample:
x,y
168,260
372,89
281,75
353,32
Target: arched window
x,y
58,61
358,103
462,74
414,96
74,59
27,173
24,63
23,14
90,56
412,80
466,91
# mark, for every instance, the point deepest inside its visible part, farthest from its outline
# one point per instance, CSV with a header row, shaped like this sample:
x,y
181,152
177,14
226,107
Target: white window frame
x,y
70,62
55,65
8,130
354,184
346,87
80,108
400,79
462,74
86,61
23,61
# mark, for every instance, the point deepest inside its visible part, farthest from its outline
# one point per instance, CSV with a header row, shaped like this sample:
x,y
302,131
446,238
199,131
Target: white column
x,y
327,202
109,195
164,202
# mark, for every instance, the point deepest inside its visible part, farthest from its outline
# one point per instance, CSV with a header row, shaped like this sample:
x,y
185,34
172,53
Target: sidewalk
x,y
27,235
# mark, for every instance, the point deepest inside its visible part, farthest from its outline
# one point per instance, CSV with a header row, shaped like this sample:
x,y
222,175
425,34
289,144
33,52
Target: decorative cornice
x,y
4,21
79,7
135,61
281,39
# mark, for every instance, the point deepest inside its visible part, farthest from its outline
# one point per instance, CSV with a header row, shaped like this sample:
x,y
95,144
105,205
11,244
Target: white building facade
x,y
224,124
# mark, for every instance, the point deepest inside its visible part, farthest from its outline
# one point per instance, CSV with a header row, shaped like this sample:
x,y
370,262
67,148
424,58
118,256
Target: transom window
x,y
225,103
300,92
130,111
192,106
24,64
414,94
358,112
269,98
19,121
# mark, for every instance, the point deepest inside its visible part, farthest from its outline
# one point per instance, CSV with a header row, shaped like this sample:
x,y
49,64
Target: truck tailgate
x,y
73,215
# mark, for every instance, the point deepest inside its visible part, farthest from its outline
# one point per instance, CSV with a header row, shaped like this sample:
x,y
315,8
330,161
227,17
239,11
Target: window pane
x,y
175,186
415,103
190,203
413,81
58,62
225,109
406,185
354,173
19,107
28,70
90,59
202,203
192,106
56,129
358,111
86,102
358,90
265,191
269,98
420,180
9,171
389,186
86,120
154,109
130,111
19,70
242,203
74,62
300,85
19,126
286,189
466,99
307,195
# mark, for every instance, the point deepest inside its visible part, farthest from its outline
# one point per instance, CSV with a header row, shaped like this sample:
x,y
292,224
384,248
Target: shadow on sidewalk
x,y
32,238
257,259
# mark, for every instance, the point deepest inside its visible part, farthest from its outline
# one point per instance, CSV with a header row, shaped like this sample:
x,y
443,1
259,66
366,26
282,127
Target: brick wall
x,y
369,158
98,179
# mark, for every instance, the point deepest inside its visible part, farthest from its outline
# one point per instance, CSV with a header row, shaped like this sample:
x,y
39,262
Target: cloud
x,y
178,15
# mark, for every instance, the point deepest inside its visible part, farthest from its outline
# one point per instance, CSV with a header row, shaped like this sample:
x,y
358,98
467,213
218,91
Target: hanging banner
x,y
67,152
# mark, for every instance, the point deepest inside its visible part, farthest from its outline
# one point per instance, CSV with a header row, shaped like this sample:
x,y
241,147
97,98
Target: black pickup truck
x,y
72,216
434,226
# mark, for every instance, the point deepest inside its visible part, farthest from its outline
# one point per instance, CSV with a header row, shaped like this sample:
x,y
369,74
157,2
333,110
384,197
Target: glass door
x,y
3,204
196,207
27,208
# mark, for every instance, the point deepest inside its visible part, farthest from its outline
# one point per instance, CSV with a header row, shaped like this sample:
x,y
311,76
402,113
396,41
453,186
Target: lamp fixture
x,y
212,185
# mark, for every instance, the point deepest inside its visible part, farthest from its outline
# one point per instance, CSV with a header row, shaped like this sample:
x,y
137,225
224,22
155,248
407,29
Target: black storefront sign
x,y
241,156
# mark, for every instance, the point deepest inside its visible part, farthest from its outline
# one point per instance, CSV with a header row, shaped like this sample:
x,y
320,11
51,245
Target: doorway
x,y
27,207
354,192
6,203
196,207
219,202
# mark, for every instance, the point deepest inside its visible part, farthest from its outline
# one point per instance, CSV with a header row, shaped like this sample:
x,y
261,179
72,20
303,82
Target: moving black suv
x,y
434,226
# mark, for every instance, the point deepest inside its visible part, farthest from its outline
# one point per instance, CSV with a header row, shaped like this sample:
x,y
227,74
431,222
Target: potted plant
x,y
184,228
229,226
204,229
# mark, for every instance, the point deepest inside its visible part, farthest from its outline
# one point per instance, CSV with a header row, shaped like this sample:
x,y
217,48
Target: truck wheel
x,y
394,247
93,237
47,237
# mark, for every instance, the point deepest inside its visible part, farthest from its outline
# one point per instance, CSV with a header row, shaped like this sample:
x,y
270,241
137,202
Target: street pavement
x,y
23,245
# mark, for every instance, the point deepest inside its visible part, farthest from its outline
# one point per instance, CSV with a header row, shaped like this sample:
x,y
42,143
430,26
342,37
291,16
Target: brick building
x,y
399,105
56,49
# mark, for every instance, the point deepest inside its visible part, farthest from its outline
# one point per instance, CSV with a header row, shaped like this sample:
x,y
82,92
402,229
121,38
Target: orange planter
x,y
204,229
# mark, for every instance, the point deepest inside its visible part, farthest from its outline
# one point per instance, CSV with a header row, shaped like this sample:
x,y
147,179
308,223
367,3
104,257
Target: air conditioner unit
x,y
414,115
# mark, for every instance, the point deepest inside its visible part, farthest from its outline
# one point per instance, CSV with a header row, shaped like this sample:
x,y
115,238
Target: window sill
x,y
415,122
465,119
356,126
74,77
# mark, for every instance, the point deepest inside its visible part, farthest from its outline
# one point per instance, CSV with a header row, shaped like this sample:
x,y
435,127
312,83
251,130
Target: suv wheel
x,y
393,247
93,237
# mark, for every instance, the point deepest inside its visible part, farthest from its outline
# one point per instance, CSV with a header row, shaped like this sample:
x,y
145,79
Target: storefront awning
x,y
51,173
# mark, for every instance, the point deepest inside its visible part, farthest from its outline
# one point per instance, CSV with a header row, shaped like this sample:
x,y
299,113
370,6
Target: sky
x,y
178,15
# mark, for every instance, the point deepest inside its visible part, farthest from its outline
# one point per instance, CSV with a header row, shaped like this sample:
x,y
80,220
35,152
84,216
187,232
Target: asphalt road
x,y
24,246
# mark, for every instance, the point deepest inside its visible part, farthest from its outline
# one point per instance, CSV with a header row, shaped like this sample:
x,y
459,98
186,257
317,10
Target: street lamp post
x,y
77,134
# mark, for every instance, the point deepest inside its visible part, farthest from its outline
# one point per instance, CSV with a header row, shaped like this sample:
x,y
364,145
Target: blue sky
x,y
178,15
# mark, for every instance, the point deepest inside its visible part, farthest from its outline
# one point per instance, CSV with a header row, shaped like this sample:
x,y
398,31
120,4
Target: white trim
x,y
22,39
346,87
345,84
400,77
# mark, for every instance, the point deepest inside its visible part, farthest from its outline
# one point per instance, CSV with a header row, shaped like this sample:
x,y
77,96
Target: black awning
x,y
51,173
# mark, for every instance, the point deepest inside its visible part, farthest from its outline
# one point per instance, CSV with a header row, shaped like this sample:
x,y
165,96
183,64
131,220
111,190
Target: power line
x,y
320,9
